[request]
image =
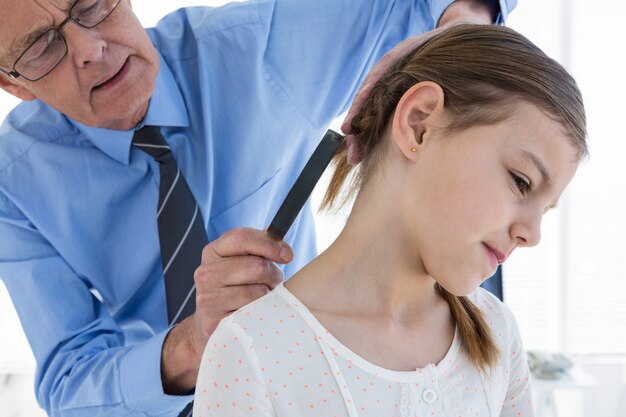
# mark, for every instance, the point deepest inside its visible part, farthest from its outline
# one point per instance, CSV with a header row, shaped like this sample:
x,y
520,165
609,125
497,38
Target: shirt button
x,y
429,396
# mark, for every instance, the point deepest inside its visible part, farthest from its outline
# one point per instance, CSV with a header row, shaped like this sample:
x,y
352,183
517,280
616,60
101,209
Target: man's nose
x,y
84,45
526,230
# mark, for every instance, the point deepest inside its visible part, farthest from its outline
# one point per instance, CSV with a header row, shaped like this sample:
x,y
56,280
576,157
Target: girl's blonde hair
x,y
483,70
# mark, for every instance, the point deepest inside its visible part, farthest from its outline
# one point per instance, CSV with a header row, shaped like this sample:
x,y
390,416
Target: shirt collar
x,y
166,108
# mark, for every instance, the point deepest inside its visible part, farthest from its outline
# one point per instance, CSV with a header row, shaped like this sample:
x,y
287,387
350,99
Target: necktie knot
x,y
150,140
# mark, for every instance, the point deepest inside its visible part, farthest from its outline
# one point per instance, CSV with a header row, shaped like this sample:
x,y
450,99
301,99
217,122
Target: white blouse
x,y
273,358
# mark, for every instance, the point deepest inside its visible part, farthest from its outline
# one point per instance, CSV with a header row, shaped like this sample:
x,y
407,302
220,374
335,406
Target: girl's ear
x,y
10,86
415,116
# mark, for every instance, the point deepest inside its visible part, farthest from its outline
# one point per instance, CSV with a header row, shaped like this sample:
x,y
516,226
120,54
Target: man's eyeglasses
x,y
49,49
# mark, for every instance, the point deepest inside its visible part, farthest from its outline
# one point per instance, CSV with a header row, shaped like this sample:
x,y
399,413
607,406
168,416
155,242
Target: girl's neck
x,y
368,270
370,290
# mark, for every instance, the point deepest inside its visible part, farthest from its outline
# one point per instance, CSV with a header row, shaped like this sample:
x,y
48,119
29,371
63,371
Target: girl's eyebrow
x,y
536,161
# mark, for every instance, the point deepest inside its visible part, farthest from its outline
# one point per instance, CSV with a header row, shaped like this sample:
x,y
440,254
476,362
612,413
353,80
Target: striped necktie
x,y
181,229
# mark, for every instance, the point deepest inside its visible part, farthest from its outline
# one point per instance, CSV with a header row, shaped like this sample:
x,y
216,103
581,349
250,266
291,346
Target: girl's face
x,y
481,193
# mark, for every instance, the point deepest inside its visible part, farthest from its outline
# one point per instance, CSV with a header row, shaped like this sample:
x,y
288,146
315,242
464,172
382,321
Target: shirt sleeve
x,y
230,380
318,52
83,365
518,400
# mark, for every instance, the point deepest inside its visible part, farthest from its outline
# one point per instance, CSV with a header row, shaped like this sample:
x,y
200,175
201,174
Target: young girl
x,y
466,143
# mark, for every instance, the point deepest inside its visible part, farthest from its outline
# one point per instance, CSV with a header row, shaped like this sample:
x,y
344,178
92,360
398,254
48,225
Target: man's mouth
x,y
114,78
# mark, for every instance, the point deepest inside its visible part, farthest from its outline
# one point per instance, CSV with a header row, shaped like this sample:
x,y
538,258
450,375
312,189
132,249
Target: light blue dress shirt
x,y
243,96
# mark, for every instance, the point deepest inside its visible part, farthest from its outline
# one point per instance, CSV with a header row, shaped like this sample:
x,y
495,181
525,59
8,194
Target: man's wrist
x,y
179,361
470,11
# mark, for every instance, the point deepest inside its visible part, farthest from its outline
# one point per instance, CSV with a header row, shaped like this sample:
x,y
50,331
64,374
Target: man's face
x,y
108,75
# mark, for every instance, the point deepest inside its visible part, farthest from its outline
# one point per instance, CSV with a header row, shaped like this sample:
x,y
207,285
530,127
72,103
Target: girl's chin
x,y
460,290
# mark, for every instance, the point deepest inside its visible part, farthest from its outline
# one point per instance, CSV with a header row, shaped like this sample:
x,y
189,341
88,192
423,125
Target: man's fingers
x,y
214,306
245,294
354,150
247,241
376,73
366,88
361,95
237,270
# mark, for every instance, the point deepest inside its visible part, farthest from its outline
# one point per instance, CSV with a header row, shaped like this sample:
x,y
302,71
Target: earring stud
x,y
413,149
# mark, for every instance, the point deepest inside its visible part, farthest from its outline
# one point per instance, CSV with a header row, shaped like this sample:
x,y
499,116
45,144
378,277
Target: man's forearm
x,y
469,11
179,360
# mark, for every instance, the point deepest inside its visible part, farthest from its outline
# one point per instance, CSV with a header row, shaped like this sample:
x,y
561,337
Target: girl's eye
x,y
522,185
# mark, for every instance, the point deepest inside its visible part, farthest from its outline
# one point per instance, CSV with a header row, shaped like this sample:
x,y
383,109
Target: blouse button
x,y
429,396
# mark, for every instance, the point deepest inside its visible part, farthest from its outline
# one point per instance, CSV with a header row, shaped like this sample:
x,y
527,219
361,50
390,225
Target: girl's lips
x,y
493,257
497,255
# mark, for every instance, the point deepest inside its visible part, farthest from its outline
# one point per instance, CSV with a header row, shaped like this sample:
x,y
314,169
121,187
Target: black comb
x,y
303,187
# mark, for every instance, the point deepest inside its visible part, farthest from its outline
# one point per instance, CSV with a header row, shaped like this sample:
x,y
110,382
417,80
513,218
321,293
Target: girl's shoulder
x,y
271,317
276,334
498,315
511,371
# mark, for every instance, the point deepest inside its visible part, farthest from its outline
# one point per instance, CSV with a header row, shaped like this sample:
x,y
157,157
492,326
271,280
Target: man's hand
x,y
236,269
469,11
404,47
461,11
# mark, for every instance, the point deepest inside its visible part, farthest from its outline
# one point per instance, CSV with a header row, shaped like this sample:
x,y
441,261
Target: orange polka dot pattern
x,y
273,358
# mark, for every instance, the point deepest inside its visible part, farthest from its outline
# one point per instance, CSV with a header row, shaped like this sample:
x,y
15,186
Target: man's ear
x,y
417,112
10,86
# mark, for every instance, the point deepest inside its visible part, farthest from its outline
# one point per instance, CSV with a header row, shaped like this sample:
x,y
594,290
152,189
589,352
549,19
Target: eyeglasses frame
x,y
14,74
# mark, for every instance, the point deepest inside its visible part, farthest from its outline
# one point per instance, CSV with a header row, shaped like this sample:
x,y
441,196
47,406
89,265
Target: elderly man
x,y
134,149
